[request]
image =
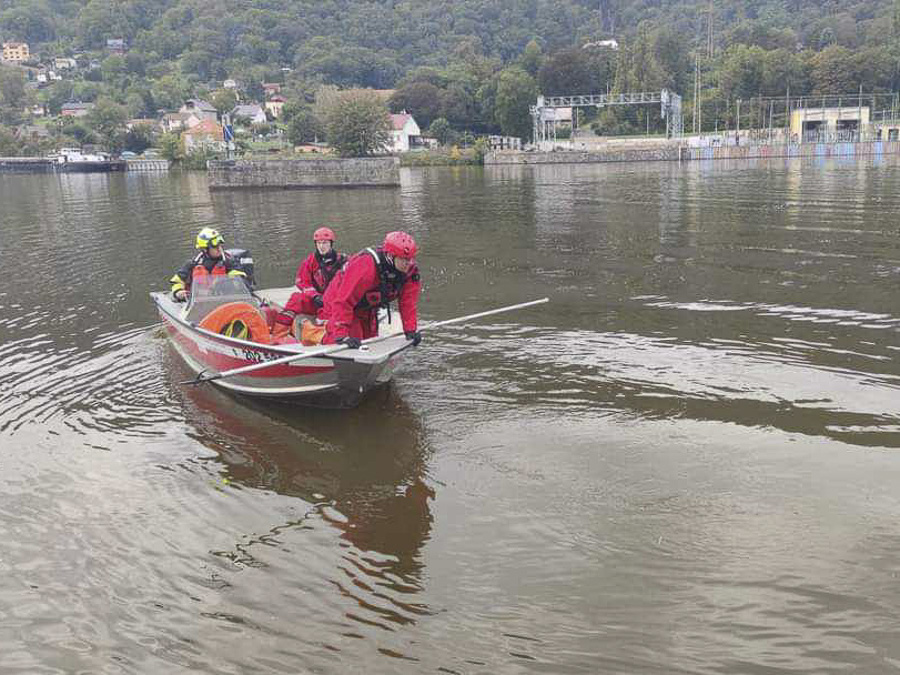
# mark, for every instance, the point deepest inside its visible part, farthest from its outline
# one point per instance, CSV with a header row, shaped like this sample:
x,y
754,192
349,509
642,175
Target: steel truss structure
x,y
544,117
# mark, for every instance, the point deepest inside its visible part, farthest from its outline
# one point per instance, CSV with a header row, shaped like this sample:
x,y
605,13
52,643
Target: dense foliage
x,y
473,63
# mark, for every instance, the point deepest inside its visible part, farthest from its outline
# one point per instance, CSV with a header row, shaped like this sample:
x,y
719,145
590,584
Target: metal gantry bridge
x,y
545,119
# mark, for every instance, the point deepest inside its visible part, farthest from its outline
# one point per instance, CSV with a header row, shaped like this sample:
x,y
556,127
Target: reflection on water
x,y
686,462
363,471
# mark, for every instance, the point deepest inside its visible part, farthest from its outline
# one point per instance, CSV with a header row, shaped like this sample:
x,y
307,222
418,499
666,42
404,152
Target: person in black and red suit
x,y
211,260
313,277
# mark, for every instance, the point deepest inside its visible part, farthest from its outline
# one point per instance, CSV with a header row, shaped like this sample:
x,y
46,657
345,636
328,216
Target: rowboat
x,y
336,379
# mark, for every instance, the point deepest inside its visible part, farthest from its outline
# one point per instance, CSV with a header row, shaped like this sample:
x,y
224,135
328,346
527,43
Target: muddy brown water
x,y
688,462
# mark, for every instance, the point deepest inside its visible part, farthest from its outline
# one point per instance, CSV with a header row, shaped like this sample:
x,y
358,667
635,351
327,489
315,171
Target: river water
x,y
687,463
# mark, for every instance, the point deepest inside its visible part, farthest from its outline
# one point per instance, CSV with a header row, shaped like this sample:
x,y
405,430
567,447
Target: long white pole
x,y
331,349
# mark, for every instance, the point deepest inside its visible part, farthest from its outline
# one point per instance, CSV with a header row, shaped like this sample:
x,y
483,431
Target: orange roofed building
x,y
205,135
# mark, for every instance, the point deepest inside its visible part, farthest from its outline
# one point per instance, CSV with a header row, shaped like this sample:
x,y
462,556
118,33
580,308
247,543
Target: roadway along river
x,y
688,462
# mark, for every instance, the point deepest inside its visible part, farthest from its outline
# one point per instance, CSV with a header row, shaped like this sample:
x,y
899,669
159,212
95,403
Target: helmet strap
x,y
328,257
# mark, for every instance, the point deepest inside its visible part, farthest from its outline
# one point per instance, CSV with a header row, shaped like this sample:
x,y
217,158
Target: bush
x,y
196,159
481,149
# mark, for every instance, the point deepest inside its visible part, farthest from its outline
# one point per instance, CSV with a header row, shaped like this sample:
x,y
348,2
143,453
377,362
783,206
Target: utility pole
x,y
696,120
787,115
699,99
709,31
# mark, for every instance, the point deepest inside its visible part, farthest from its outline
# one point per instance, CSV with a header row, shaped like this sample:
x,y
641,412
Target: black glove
x,y
351,342
415,336
318,301
180,295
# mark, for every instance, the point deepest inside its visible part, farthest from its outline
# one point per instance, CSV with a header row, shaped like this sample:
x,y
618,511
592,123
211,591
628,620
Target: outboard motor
x,y
245,261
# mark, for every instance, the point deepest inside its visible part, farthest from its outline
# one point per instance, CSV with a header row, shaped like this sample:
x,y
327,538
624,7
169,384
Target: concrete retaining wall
x,y
147,164
304,173
25,165
676,152
793,150
41,165
656,153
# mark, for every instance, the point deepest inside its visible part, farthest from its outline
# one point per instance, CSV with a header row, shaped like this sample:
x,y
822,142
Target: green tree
x,y
833,71
482,147
223,100
9,146
139,138
303,126
486,104
171,91
532,58
421,99
457,105
644,73
875,68
114,70
107,119
12,95
566,73
357,123
100,20
441,130
827,38
170,146
784,71
672,57
55,95
28,21
79,130
741,72
516,92
12,87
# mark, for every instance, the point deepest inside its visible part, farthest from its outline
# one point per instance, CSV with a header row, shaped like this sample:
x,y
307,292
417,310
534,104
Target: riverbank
x,y
663,151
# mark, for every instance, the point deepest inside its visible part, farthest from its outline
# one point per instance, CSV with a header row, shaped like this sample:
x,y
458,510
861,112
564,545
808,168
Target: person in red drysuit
x,y
372,279
313,277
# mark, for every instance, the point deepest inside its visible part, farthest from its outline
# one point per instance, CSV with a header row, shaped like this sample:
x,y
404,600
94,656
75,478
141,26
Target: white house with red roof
x,y
403,132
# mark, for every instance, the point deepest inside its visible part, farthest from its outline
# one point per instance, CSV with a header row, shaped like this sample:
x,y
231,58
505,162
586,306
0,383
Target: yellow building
x,y
16,52
813,125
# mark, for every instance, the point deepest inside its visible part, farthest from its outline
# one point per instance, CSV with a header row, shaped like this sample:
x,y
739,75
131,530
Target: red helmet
x,y
323,234
400,244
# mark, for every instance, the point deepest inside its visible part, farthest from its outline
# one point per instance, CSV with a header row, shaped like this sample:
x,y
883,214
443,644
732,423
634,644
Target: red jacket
x,y
351,293
314,276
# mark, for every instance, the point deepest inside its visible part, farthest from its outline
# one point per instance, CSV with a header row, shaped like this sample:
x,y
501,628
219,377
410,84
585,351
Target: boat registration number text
x,y
253,355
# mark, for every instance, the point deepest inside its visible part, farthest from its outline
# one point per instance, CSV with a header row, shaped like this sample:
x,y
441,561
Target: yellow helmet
x,y
209,237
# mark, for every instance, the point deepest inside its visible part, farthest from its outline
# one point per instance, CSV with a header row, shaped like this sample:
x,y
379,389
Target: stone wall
x,y
656,153
304,173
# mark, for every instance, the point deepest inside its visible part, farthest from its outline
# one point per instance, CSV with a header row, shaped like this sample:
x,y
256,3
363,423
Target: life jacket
x,y
202,275
390,281
326,272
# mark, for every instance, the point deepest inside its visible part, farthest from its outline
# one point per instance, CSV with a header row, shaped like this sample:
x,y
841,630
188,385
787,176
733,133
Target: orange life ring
x,y
226,315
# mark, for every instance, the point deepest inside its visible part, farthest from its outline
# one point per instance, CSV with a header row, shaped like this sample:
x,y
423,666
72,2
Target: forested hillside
x,y
474,63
